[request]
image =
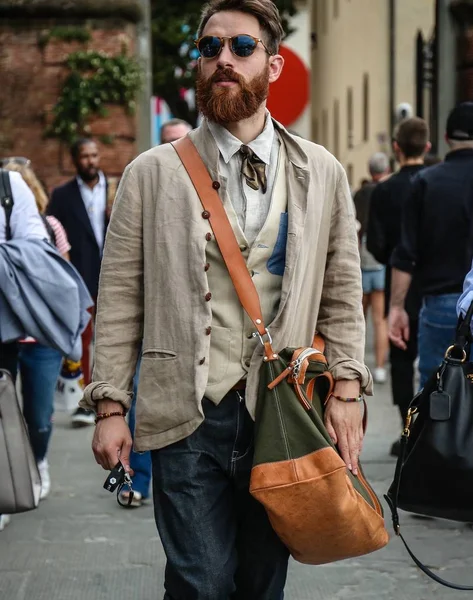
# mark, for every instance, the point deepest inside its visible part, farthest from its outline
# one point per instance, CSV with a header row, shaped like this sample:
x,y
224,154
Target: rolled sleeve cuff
x,y
352,369
101,390
402,263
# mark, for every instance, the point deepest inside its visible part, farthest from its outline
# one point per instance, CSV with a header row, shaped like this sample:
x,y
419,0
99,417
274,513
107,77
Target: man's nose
x,y
226,58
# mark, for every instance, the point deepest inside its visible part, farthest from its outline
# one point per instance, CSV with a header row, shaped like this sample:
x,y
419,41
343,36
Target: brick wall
x,y
31,80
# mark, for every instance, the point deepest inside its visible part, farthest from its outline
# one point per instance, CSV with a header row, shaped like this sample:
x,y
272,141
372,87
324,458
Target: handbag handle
x,y
215,213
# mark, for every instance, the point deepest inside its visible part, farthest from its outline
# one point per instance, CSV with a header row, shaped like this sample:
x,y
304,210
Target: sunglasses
x,y
15,160
242,45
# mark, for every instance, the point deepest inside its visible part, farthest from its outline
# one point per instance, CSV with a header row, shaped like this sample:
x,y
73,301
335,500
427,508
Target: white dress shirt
x,y
95,202
25,221
251,206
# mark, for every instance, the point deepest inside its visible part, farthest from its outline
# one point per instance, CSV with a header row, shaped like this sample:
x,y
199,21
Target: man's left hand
x,y
344,423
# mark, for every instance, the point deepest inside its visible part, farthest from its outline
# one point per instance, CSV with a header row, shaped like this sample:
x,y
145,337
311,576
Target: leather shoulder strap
x,y
214,211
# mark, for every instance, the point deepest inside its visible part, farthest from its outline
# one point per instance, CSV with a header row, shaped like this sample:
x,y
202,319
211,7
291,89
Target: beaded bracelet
x,y
101,416
344,399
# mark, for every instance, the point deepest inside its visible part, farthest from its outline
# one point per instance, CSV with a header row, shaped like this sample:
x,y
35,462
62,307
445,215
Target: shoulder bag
x,y
434,471
317,507
21,484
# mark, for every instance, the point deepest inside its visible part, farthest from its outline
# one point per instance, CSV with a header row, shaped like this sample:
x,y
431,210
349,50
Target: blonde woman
x,y
39,365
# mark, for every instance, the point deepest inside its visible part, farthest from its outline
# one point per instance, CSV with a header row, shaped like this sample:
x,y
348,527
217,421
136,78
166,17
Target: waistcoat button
x,y
206,214
208,296
208,331
216,185
247,362
249,335
206,266
208,236
243,247
201,361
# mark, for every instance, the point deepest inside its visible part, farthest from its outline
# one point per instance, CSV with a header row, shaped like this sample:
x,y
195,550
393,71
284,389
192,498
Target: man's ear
x,y
276,64
428,148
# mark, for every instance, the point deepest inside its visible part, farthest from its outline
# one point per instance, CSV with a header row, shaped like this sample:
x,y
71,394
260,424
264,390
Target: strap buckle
x,y
261,338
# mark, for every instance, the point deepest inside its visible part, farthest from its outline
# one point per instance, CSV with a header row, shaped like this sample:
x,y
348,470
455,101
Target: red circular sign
x,y
289,95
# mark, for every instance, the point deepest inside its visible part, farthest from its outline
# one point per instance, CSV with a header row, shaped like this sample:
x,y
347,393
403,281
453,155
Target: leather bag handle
x,y
226,240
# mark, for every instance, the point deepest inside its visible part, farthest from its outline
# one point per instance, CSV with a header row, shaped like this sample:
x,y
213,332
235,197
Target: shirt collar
x,y
101,182
229,145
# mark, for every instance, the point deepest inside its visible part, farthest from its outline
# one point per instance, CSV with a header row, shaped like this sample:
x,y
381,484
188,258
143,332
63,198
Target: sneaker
x,y
43,468
82,418
135,503
4,520
379,375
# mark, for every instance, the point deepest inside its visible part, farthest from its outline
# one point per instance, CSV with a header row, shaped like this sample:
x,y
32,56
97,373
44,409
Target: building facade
x,y
363,71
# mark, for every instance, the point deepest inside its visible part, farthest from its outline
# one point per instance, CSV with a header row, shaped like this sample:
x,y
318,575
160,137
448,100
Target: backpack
x,y
6,200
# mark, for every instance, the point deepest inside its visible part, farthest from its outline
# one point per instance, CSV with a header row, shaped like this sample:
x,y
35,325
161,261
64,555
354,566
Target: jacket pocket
x,y
277,261
159,354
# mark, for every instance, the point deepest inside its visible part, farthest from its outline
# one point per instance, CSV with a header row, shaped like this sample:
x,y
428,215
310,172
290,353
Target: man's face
x,y
87,162
232,88
171,133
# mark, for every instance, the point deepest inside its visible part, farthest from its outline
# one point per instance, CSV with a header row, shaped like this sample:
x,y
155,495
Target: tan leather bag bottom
x,y
316,511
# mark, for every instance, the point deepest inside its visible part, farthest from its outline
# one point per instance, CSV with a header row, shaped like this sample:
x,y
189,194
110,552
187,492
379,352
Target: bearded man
x,y
164,282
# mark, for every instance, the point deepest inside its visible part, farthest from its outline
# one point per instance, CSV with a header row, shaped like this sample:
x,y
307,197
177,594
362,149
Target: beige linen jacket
x,y
154,289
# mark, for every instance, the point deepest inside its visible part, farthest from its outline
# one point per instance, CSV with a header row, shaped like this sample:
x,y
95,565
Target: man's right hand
x,y
112,441
398,327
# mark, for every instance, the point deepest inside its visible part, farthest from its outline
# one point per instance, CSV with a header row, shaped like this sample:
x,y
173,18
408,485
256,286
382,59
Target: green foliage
x,y
65,34
174,26
96,80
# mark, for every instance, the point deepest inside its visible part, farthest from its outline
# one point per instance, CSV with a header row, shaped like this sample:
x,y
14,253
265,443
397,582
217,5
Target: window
x,y
336,9
366,107
349,171
336,128
325,128
350,117
324,15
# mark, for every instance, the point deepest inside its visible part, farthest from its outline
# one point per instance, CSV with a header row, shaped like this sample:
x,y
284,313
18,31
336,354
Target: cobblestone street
x,y
80,545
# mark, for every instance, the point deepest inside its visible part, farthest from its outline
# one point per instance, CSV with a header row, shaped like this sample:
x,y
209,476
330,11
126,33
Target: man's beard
x,y
229,105
88,175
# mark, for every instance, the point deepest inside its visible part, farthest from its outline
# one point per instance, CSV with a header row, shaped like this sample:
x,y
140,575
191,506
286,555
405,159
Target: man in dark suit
x,y
81,206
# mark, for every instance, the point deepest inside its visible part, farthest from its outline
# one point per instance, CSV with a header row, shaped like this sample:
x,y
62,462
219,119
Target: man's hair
x,y
411,136
264,10
173,122
378,163
77,146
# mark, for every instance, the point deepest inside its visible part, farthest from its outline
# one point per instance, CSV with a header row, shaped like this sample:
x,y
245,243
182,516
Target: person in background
x,y
39,365
81,206
140,462
25,223
372,272
437,245
411,142
174,129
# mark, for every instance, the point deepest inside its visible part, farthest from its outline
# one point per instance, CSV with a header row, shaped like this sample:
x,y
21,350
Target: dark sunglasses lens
x,y
209,46
243,45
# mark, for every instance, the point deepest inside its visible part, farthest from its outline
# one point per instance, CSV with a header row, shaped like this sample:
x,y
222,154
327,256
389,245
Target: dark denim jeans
x,y
217,538
437,325
39,368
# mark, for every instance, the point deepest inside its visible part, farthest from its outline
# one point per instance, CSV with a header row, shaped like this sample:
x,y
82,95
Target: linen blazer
x,y
154,288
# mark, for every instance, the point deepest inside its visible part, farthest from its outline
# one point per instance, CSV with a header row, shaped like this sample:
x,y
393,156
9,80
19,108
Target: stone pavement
x,y
80,545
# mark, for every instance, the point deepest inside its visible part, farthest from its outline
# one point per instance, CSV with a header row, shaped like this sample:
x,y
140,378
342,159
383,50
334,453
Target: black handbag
x,y
434,471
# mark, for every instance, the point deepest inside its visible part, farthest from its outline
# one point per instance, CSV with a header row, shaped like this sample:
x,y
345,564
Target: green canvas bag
x,y
318,508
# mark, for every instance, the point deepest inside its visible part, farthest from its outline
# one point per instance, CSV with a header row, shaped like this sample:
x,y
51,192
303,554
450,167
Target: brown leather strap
x,y
226,240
